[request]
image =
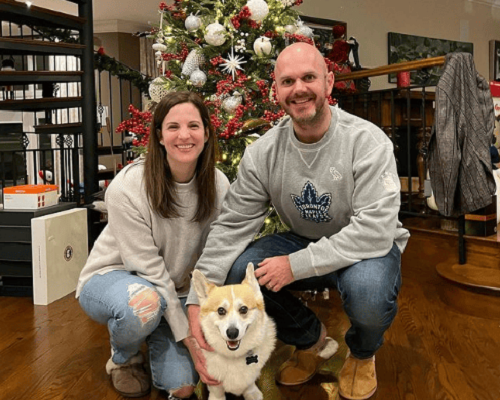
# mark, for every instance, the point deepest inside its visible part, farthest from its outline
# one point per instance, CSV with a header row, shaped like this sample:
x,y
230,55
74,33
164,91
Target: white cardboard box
x,y
60,250
30,197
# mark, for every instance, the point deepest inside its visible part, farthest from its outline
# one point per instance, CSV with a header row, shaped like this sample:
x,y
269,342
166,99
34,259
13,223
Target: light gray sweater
x,y
343,190
161,250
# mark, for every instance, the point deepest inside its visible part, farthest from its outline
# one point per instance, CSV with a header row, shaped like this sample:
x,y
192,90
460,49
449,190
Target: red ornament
x,y
338,31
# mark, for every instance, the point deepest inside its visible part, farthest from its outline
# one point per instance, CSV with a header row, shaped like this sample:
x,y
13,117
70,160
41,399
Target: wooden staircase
x,y
14,261
472,288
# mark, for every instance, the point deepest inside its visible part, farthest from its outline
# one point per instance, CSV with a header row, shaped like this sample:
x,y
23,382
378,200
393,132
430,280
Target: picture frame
x,y
495,60
322,29
403,47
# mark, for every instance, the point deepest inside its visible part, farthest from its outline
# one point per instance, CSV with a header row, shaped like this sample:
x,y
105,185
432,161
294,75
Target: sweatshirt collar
x,y
325,139
186,187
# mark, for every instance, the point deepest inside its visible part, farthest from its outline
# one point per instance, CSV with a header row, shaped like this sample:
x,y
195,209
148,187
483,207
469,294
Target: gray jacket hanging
x,y
459,156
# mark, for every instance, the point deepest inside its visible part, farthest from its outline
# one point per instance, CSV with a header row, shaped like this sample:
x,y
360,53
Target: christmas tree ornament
x,y
198,78
262,46
159,47
193,62
159,88
290,29
259,10
192,23
231,103
215,34
232,63
304,30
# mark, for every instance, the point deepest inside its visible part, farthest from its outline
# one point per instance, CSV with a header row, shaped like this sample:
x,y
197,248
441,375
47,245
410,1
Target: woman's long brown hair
x,y
160,185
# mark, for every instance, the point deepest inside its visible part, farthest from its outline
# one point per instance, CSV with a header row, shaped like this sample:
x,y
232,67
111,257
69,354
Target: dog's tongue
x,y
232,343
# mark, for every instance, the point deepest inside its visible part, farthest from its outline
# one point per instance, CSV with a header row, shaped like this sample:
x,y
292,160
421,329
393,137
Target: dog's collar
x,y
252,358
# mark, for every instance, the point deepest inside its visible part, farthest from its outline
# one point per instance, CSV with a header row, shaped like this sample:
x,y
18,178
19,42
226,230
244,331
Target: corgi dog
x,y
236,326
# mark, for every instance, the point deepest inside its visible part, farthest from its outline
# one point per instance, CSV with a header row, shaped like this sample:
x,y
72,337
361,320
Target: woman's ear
x,y
207,135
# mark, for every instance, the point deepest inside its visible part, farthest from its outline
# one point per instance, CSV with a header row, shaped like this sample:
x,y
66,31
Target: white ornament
x,y
304,30
259,10
215,35
232,63
290,29
159,88
192,23
230,104
262,46
198,78
159,47
193,62
287,3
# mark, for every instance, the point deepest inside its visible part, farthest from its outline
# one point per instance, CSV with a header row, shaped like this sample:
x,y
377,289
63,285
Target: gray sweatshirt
x,y
161,250
343,190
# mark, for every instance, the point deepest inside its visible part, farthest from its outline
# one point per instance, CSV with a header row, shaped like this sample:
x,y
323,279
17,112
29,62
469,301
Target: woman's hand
x,y
193,311
200,363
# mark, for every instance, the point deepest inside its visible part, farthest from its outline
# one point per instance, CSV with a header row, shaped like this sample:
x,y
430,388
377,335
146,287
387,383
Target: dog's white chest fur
x,y
239,373
236,326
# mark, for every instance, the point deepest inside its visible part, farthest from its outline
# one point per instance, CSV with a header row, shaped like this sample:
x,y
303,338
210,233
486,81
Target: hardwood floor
x,y
432,352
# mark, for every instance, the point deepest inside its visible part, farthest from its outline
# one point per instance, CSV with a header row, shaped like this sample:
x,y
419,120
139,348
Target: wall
x,y
370,21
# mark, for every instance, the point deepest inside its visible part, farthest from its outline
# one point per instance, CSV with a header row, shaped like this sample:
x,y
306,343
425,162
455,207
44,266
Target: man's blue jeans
x,y
369,291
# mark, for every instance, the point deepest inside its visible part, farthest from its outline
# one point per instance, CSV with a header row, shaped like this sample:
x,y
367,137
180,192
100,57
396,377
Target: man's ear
x,y
330,81
251,280
201,285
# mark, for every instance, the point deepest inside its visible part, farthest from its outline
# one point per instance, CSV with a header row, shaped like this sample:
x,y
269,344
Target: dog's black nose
x,y
232,333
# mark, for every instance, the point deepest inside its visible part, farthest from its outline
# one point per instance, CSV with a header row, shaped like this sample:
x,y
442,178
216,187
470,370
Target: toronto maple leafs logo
x,y
312,207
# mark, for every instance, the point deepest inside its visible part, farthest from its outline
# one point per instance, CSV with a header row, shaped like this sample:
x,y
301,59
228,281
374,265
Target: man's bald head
x,y
303,51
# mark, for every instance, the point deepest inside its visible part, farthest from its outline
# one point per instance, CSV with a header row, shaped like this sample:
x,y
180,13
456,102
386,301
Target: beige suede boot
x,y
304,364
357,378
130,379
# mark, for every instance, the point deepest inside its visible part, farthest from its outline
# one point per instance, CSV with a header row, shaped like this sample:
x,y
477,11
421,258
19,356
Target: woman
x,y
159,214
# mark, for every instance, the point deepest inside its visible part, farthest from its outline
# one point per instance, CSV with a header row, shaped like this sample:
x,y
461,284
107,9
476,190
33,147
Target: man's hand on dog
x,y
196,342
275,273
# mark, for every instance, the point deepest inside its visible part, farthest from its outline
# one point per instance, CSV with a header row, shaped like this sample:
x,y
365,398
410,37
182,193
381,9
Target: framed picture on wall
x,y
322,29
495,60
402,47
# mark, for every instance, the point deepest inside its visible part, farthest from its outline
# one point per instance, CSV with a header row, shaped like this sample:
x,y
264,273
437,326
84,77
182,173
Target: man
x,y
332,178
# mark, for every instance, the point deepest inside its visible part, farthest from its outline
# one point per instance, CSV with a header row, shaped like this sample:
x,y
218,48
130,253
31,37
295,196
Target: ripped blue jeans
x,y
132,309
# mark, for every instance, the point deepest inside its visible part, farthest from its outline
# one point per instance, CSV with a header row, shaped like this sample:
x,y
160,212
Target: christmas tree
x,y
224,50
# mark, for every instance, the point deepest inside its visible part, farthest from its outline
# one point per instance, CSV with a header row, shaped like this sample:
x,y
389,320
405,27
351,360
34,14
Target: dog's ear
x,y
201,285
251,280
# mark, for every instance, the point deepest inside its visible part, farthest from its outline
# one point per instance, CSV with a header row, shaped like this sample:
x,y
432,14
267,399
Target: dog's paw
x,y
253,393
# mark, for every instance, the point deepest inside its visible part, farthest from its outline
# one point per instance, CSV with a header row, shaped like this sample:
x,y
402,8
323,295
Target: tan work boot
x,y
130,379
357,378
304,364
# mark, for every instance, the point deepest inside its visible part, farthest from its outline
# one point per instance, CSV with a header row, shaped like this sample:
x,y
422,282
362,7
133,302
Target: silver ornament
x,y
159,88
159,47
193,62
262,46
215,34
304,30
192,23
230,104
259,10
290,29
198,78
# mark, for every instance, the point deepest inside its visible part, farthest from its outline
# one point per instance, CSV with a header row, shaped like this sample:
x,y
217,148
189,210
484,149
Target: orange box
x,y
30,197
